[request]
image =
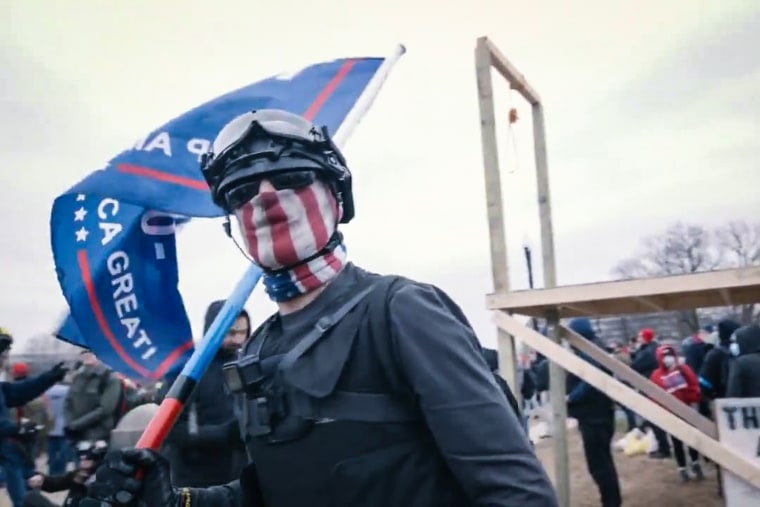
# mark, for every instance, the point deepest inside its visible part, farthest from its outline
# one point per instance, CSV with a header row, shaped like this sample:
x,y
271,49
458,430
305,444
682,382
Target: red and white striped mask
x,y
284,227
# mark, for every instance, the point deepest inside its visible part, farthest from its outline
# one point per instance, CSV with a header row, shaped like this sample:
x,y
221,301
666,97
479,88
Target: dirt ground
x,y
645,482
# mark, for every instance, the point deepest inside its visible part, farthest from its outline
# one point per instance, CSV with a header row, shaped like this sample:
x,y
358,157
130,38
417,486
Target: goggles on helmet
x,y
278,146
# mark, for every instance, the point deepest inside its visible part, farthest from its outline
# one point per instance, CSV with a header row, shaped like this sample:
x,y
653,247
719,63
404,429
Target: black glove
x,y
116,481
59,371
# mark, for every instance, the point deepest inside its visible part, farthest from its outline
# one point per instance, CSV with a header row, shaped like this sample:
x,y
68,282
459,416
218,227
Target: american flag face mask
x,y
283,228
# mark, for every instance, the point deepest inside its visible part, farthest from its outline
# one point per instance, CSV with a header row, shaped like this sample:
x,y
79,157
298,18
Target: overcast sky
x,y
651,110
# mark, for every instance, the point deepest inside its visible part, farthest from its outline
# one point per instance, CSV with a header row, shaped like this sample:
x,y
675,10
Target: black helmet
x,y
268,142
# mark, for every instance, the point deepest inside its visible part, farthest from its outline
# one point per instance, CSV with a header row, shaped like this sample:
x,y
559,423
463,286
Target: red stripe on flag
x,y
310,114
84,266
329,89
162,176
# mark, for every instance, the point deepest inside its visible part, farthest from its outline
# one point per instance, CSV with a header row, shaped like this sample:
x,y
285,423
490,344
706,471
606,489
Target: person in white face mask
x,y
363,390
744,376
680,381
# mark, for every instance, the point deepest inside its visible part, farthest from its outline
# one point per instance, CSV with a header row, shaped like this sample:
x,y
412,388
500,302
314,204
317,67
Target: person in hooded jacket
x,y
713,376
595,412
680,381
744,377
204,447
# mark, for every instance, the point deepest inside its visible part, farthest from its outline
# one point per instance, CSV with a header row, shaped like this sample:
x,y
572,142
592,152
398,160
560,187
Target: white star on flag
x,y
80,214
80,197
82,234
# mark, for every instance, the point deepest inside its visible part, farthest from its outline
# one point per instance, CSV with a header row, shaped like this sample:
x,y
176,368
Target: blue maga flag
x,y
113,233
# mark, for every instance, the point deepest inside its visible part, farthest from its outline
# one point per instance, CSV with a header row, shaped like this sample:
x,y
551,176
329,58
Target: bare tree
x,y
629,269
739,243
682,248
689,248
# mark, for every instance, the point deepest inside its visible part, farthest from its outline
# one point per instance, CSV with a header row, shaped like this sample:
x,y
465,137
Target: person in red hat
x,y
647,335
20,371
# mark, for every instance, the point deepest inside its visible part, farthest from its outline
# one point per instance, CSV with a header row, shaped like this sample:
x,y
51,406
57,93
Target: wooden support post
x,y
557,393
487,55
494,202
557,378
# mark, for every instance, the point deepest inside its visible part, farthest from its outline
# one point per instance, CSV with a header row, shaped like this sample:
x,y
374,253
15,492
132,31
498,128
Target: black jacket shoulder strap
x,y
391,406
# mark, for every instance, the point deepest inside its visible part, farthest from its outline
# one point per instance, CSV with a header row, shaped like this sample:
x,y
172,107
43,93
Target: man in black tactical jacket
x,y
362,390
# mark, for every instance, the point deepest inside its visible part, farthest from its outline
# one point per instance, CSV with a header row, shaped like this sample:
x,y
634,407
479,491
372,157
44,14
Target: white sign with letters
x,y
738,421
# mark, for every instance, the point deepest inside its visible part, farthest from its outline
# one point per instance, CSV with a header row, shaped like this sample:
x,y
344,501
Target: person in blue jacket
x,y
16,394
595,412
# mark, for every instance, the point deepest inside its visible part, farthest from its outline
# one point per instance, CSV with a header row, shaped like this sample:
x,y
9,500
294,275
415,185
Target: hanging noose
x,y
511,138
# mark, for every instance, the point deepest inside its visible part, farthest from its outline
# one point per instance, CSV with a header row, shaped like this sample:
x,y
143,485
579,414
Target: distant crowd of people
x,y
66,414
716,362
69,417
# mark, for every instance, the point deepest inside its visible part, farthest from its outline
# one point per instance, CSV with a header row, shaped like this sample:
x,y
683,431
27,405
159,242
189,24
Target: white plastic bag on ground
x,y
632,436
637,446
